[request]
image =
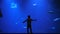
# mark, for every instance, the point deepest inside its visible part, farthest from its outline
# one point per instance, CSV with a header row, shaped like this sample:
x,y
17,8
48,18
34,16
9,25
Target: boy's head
x,y
28,16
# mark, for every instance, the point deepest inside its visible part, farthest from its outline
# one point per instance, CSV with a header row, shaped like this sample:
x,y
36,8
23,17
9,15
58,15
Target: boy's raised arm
x,y
24,21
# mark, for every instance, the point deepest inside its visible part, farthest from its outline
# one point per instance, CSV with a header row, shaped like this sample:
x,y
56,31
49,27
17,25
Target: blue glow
x,y
53,27
16,23
50,11
13,18
25,27
13,5
34,4
56,19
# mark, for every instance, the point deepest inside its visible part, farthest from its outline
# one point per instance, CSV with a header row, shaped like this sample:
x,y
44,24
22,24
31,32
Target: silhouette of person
x,y
0,13
29,20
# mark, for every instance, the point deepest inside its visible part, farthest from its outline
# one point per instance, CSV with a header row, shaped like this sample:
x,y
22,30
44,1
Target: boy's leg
x,y
30,30
27,30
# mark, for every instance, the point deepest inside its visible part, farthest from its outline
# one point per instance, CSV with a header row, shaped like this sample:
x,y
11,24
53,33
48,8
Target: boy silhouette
x,y
29,20
0,13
